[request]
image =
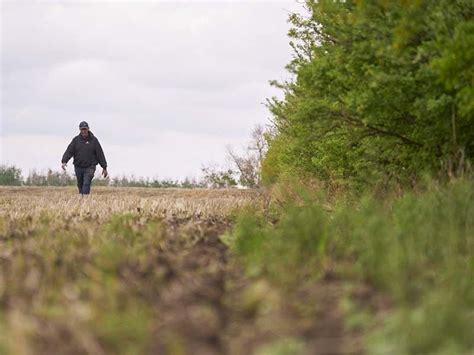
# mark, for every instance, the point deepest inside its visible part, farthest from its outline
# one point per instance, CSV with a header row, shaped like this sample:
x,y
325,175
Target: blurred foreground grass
x,y
417,250
132,271
103,273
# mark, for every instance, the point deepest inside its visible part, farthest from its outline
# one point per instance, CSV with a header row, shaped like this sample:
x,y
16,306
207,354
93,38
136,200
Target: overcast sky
x,y
165,86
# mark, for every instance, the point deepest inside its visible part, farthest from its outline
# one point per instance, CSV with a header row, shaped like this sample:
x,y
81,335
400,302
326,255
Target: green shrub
x,y
10,175
418,248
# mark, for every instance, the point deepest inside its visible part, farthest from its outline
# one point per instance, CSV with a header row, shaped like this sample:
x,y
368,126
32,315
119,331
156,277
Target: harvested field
x,y
144,271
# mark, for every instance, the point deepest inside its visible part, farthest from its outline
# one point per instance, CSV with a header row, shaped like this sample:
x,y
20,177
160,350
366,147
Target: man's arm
x,y
68,154
101,157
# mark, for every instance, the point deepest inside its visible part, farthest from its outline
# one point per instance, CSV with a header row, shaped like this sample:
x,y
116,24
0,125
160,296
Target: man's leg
x,y
88,176
80,177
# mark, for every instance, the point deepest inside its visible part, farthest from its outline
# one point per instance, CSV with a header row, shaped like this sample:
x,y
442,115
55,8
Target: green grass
x,y
417,249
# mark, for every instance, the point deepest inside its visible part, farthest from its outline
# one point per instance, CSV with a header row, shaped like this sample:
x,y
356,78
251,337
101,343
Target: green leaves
x,y
417,248
376,84
455,69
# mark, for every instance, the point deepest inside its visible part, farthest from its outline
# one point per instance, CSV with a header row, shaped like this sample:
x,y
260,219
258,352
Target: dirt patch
x,y
189,305
208,305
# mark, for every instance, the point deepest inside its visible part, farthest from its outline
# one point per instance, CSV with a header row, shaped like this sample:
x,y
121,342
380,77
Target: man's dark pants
x,y
84,179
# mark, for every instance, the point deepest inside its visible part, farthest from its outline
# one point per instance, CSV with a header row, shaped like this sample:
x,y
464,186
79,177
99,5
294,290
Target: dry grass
x,y
106,201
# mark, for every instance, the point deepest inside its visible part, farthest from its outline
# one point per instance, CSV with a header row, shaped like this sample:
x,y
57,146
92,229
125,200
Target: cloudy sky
x,y
165,86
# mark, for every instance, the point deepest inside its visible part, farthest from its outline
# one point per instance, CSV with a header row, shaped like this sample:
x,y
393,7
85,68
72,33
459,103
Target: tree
x,y
51,178
10,175
382,90
216,178
248,166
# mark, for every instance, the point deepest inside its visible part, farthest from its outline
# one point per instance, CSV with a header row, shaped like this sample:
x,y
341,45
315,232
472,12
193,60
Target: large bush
x,y
382,91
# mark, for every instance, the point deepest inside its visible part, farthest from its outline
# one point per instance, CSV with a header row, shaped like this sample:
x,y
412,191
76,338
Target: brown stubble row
x,y
120,271
104,202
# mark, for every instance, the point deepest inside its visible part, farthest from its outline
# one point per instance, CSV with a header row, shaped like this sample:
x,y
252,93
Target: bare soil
x,y
208,306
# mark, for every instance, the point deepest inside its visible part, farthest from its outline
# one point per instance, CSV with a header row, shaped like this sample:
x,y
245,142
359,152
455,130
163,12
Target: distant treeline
x,y
12,176
244,172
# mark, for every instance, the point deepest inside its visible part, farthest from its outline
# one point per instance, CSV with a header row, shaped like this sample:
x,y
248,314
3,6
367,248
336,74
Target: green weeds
x,y
417,249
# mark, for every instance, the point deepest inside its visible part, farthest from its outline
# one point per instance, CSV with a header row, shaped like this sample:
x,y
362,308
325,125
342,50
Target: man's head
x,y
84,128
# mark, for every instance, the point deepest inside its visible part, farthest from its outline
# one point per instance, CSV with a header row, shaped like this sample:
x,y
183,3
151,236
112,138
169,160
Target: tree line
x,y
12,176
243,170
382,91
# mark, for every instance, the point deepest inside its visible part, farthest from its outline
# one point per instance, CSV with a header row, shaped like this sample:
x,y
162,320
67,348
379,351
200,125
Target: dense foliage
x,y
382,94
417,250
383,90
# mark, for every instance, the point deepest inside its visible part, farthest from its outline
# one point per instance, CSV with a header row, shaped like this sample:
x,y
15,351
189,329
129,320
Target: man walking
x,y
87,153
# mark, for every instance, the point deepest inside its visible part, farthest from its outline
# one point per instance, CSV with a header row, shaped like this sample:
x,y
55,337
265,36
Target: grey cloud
x,y
143,69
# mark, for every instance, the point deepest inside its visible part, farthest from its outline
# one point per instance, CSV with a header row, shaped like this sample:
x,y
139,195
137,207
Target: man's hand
x,y
105,173
63,166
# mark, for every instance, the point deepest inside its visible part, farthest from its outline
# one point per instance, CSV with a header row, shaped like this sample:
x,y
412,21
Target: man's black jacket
x,y
87,152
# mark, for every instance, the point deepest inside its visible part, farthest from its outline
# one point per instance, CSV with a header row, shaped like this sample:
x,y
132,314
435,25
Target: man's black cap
x,y
83,124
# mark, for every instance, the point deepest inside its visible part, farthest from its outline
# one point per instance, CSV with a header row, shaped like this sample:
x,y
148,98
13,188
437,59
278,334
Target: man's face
x,y
84,132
